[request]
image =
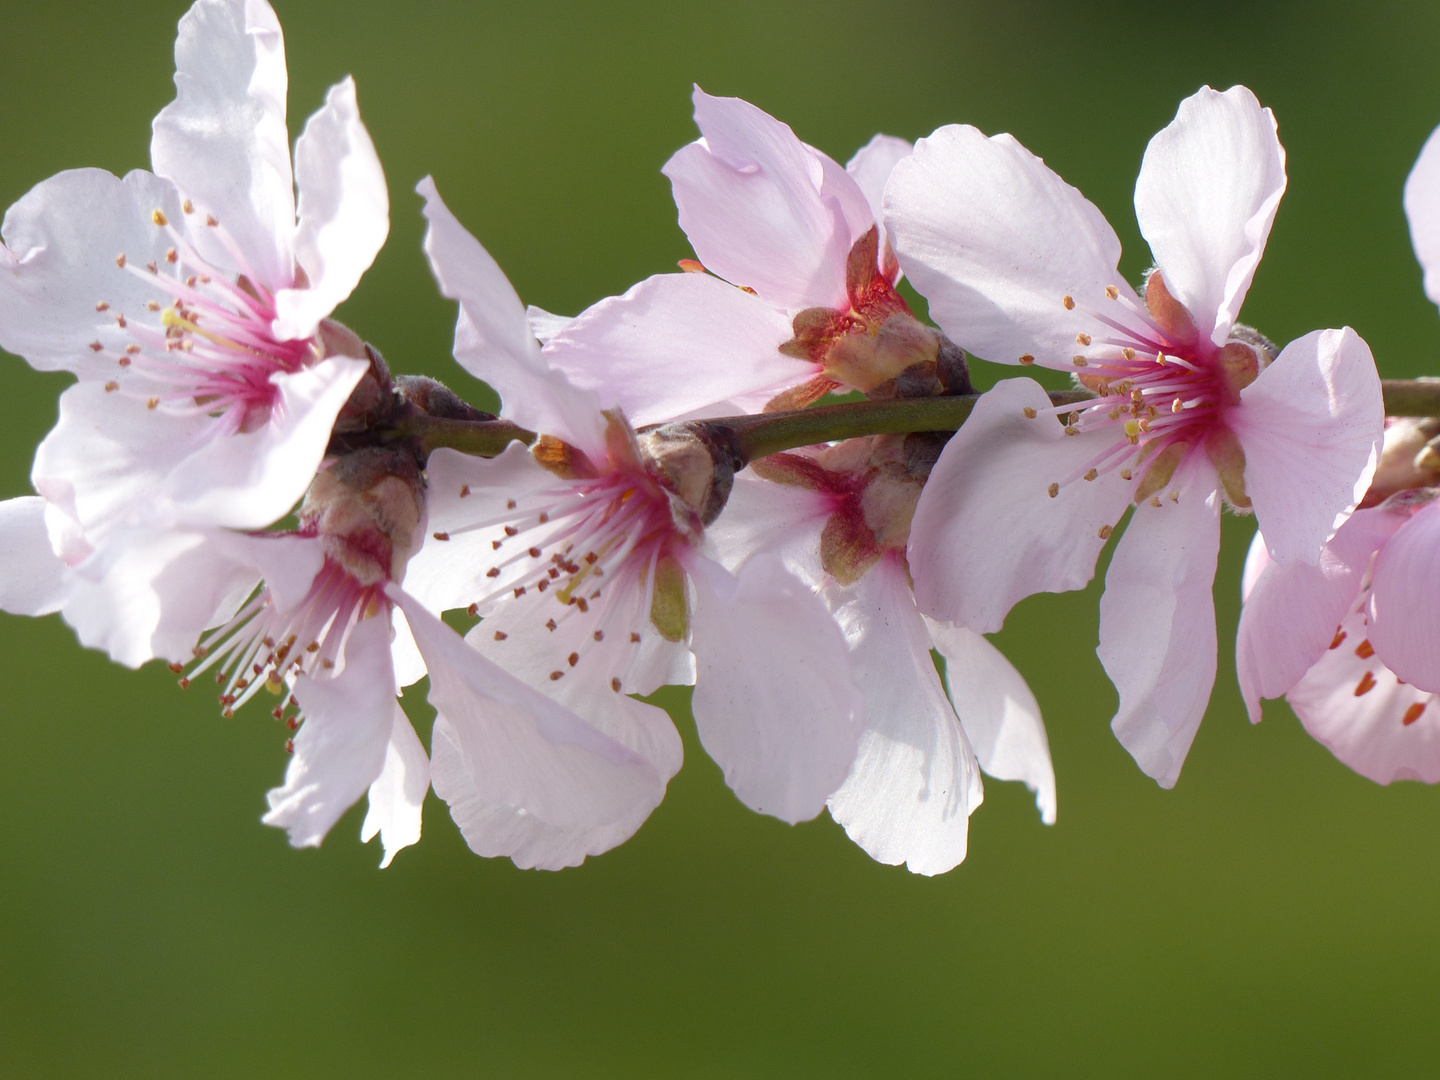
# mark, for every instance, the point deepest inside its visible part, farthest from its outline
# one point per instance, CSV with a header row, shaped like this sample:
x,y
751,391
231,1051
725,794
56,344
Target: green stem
x,y
1411,397
482,438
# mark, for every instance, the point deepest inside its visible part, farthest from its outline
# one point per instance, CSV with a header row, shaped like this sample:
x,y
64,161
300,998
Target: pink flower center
x,y
208,348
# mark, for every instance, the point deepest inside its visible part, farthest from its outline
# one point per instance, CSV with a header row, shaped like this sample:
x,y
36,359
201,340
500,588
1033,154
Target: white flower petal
x,y
223,140
520,748
250,480
677,346
915,780
1293,611
750,200
986,532
342,744
405,654
871,167
1405,592
1000,715
775,703
493,340
344,212
398,793
1206,197
1311,426
1157,623
997,243
63,237
33,578
1422,208
784,520
1382,728
544,325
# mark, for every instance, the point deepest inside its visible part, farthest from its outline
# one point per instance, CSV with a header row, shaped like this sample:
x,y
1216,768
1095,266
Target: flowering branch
x,y
1411,397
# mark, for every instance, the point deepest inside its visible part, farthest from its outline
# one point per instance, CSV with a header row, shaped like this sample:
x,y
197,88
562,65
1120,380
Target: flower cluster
x,y
762,475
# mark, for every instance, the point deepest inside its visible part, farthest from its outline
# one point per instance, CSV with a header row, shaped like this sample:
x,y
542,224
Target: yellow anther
x,y
1175,496
187,206
275,684
1112,292
1128,353
1132,430
1105,531
1079,361
1054,490
1029,413
1126,474
1176,405
1091,475
153,403
101,305
1082,339
1069,302
1155,501
159,218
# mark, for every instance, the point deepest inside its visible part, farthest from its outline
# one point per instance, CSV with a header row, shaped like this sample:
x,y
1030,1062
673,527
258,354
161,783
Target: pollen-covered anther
x,y
1030,413
1104,531
1027,360
1079,361
1340,636
171,255
187,207
441,535
1128,353
1366,684
615,685
500,635
159,218
111,386
1068,301
1092,474
1112,292
1413,713
1365,650
1126,474
1053,490
554,675
1082,339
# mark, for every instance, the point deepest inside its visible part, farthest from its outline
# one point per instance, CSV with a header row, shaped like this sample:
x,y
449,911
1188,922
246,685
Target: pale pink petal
x,y
775,703
344,212
463,491
871,167
520,748
750,200
1422,208
986,532
1293,611
398,793
1382,728
840,189
1000,715
544,325
493,340
342,744
405,654
223,140
1013,260
150,593
1311,427
1257,561
63,237
1405,600
250,480
32,577
915,780
1207,194
1157,623
676,346
782,519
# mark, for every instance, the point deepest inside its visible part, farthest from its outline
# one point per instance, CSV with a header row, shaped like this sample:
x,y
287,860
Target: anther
x,y
509,504
289,746
464,490
534,552
1128,353
1365,650
1413,713
1027,360
132,349
159,218
1079,361
615,685
187,206
573,658
1126,474
102,305
112,386
555,675
120,260
153,403
495,545
120,321
171,255
519,591
1176,405
634,637
599,635
1082,339
1365,685
543,584
543,518
582,604
1054,490
690,266
500,635
1105,531
95,346
211,220
1029,413
152,268
511,530
1340,636
494,571
152,305
551,625
1155,501
1092,474
1069,302
473,610
1112,292
441,535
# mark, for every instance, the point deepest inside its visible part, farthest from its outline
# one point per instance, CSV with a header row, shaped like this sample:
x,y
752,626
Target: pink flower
x,y
807,303
1190,408
586,556
839,517
192,302
1308,632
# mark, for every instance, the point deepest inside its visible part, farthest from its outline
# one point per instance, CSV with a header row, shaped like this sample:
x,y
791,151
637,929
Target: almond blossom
x,y
805,300
192,302
1191,409
586,557
839,517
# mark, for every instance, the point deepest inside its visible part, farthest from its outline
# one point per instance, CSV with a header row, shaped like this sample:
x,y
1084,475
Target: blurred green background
x,y
1273,915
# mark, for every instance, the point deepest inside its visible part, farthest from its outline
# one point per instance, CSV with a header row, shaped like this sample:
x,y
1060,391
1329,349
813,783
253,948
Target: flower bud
x,y
367,507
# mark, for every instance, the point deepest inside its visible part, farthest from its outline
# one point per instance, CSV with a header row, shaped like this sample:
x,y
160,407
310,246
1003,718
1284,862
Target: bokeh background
x,y
1274,914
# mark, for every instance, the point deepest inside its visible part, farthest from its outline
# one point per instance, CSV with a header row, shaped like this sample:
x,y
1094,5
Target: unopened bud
x,y
696,463
367,507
